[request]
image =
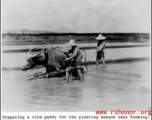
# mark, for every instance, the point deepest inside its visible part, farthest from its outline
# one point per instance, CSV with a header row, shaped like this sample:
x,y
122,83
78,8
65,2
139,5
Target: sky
x,y
80,16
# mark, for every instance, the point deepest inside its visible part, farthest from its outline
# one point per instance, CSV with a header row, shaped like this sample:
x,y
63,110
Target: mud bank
x,y
110,61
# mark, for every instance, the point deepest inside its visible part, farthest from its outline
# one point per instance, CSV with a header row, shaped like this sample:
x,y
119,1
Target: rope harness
x,y
135,75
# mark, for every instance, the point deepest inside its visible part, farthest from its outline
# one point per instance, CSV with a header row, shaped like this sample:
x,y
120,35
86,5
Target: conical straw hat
x,y
72,42
100,37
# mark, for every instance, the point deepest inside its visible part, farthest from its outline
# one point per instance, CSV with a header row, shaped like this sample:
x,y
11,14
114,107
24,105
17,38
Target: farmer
x,y
75,58
100,49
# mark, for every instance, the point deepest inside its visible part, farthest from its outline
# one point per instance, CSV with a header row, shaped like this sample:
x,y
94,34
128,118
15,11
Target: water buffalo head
x,y
34,60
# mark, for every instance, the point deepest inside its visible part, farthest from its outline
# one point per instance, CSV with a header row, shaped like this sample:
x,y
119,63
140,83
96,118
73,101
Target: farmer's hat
x,y
72,42
100,37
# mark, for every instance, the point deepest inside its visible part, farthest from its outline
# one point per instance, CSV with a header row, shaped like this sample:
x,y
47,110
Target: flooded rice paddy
x,y
19,59
125,86
117,89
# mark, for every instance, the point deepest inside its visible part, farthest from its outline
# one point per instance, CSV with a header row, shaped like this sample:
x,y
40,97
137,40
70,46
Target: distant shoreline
x,y
42,43
61,38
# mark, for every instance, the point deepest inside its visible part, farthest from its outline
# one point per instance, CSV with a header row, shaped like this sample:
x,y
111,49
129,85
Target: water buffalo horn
x,y
39,53
31,50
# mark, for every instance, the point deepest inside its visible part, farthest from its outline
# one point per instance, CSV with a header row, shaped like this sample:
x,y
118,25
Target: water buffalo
x,y
53,59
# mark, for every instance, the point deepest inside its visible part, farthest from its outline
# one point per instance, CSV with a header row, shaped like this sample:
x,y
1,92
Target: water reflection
x,y
45,92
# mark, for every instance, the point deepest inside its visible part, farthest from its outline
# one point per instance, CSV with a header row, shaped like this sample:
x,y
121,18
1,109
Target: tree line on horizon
x,y
58,37
75,34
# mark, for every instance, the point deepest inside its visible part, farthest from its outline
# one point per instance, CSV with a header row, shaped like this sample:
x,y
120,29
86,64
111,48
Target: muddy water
x,y
19,59
116,88
16,47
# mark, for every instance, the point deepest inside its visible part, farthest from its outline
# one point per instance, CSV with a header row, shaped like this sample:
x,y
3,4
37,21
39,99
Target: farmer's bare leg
x,y
79,70
103,61
97,62
67,75
80,74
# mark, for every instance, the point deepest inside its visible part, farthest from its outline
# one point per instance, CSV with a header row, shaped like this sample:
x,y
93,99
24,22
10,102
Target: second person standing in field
x,y
100,50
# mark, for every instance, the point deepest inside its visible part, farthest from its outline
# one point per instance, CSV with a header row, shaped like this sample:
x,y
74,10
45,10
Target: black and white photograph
x,y
75,55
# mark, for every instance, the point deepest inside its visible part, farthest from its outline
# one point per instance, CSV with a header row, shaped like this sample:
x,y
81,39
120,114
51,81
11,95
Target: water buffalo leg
x,y
46,74
43,74
40,75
